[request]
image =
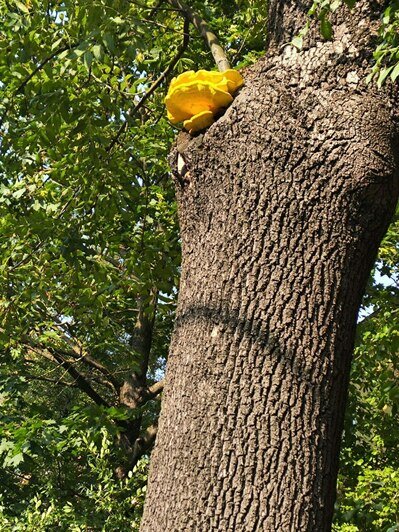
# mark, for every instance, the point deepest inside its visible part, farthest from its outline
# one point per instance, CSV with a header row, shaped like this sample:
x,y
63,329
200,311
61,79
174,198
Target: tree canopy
x,y
90,261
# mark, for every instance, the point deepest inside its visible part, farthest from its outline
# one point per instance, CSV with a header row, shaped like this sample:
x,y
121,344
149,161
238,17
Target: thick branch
x,y
133,392
144,443
209,37
153,391
156,388
76,354
141,340
81,382
93,363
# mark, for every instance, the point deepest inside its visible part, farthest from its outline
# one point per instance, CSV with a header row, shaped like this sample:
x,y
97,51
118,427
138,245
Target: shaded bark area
x,y
282,206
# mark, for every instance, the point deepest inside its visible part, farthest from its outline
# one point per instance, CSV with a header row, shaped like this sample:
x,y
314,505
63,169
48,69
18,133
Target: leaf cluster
x,y
368,480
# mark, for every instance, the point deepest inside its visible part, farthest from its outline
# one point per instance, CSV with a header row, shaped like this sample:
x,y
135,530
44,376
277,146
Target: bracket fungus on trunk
x,y
194,97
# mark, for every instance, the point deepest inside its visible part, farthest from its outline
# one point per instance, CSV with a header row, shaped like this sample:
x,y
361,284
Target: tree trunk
x,y
282,205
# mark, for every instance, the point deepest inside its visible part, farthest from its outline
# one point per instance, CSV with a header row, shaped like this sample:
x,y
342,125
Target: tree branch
x,y
33,73
144,443
90,361
209,37
156,83
155,9
153,391
44,63
77,354
53,381
81,382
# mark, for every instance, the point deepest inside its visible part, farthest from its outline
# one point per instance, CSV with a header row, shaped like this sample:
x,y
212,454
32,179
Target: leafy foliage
x,y
59,472
368,485
386,54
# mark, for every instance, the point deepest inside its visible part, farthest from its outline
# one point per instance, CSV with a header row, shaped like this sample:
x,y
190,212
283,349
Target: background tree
x,y
90,261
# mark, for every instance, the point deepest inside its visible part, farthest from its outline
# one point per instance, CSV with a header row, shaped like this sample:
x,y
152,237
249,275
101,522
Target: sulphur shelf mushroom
x,y
199,121
195,97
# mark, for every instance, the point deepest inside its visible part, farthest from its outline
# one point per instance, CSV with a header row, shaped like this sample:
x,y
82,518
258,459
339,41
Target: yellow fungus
x,y
190,99
199,121
229,80
235,80
195,97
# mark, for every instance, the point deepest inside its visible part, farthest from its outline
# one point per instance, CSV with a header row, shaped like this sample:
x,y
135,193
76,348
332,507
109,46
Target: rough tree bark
x,y
284,203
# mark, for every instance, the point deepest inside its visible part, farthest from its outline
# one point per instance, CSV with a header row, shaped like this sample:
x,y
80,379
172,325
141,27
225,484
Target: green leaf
x,y
88,59
97,51
19,193
21,6
335,5
109,42
395,72
56,43
369,77
325,27
297,41
15,460
118,20
384,73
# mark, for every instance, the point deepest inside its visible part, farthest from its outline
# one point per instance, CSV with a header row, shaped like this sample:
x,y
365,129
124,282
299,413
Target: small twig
x,y
155,85
58,357
53,381
161,178
80,380
39,244
155,8
35,71
89,361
